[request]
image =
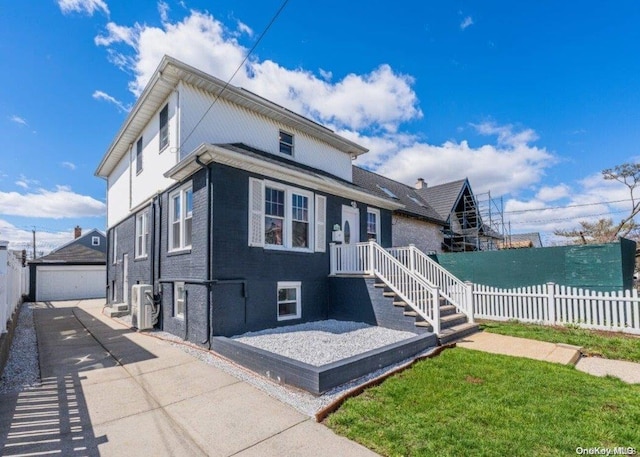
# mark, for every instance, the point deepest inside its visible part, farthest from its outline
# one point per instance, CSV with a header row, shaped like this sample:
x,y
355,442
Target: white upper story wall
x,y
226,122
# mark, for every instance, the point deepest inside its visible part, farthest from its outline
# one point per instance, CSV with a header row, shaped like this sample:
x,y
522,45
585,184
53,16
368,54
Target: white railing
x,y
371,259
14,282
554,304
457,292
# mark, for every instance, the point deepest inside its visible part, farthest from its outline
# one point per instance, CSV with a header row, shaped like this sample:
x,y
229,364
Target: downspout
x,y
209,258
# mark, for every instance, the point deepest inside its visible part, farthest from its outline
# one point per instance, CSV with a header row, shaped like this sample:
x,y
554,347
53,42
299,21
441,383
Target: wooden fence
x,y
14,283
553,304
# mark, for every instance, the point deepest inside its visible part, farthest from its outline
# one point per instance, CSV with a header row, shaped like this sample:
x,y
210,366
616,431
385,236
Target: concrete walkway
x,y
551,352
111,391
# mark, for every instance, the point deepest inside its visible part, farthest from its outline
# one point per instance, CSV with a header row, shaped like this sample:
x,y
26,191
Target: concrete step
x,y
117,310
447,310
388,293
399,302
452,320
457,332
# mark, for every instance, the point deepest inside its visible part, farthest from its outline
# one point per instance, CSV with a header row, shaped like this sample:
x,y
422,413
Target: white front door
x,y
125,278
351,257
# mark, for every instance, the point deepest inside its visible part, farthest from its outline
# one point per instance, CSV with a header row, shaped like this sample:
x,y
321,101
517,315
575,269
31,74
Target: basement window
x,y
289,300
178,300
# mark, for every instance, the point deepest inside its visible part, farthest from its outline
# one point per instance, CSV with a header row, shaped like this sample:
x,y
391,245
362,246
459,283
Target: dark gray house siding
x,y
244,290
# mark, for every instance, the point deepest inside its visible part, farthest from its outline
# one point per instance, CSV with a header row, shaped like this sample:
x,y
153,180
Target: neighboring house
x,y
521,240
456,204
225,202
417,223
75,270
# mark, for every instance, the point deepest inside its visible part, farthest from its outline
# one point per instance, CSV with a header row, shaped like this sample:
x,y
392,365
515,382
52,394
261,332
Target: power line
x,y
255,45
578,205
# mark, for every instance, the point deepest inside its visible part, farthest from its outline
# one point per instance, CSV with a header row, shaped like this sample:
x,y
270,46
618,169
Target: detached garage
x,y
76,270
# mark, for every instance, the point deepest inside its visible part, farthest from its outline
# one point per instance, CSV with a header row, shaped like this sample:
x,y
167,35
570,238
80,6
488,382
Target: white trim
x,y
181,194
176,300
141,235
256,212
114,253
297,285
321,224
95,241
375,212
287,229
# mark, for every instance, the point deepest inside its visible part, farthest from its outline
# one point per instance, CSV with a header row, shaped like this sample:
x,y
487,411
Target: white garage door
x,y
70,282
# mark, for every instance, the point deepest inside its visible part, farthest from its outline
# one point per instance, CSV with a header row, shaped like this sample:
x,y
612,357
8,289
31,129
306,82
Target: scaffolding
x,y
477,224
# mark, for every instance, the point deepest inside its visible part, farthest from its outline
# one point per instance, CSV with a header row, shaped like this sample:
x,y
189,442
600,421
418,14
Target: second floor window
x,y
164,127
286,143
139,156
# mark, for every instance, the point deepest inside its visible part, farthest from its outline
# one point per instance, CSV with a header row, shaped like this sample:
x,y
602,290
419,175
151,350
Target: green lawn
x,y
470,403
604,344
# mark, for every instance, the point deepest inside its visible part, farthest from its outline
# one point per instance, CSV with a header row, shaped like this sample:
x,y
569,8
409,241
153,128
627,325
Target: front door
x,y
350,258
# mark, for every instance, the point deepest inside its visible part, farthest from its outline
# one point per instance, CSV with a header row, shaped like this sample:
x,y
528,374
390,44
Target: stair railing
x,y
371,259
457,292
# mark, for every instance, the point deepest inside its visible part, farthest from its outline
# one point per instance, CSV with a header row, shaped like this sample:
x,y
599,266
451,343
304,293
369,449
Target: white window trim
x,y
378,231
165,146
181,192
293,144
176,286
95,241
139,157
142,221
290,285
115,246
287,229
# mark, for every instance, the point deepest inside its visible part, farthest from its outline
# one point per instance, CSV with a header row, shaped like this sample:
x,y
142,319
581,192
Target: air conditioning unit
x,y
142,315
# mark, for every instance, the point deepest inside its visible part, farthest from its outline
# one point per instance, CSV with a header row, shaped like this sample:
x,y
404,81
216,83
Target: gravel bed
x,y
304,402
322,342
22,370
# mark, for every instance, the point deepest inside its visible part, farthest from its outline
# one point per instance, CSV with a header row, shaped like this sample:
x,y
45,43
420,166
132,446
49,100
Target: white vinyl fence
x,y
14,282
553,304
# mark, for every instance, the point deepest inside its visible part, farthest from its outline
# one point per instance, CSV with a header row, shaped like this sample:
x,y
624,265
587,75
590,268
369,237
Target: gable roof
x,y
92,232
444,197
164,80
74,254
415,205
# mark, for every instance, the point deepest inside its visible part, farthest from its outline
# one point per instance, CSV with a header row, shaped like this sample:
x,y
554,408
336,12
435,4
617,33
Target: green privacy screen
x,y
602,267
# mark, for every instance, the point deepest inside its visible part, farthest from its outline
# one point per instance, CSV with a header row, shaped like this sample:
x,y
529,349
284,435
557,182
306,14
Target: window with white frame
x,y
95,241
286,217
139,156
289,303
164,127
286,143
180,218
114,254
179,299
373,224
142,234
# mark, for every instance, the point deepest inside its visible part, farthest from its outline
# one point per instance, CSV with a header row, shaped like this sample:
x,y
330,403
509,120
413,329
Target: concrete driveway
x,y
108,391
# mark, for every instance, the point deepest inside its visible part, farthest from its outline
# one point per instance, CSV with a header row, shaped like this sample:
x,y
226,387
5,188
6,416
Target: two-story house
x,y
226,203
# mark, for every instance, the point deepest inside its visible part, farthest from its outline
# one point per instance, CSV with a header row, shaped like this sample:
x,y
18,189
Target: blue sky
x,y
529,100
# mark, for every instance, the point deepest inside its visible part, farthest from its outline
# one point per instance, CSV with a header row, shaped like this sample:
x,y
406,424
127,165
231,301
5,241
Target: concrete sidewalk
x,y
107,390
552,352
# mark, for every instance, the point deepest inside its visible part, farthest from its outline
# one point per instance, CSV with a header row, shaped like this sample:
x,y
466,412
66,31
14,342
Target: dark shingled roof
x,y
415,205
74,254
443,197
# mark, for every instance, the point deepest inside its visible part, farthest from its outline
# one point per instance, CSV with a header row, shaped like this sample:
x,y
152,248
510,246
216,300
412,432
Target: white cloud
x,y
56,204
25,182
116,34
18,120
83,6
69,165
466,22
21,238
378,100
244,28
163,10
550,194
100,95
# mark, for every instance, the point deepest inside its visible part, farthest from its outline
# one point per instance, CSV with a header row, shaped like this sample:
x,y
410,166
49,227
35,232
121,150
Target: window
x,y
286,143
164,127
139,156
415,200
95,241
373,224
142,234
179,299
114,254
289,300
388,192
180,218
286,217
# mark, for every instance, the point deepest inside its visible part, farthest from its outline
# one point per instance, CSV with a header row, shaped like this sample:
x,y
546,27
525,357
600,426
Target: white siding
x,y
118,193
229,123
